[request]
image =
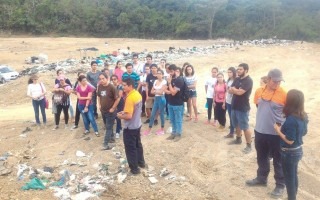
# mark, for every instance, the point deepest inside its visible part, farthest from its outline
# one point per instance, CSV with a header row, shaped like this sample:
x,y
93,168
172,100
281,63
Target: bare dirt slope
x,y
212,169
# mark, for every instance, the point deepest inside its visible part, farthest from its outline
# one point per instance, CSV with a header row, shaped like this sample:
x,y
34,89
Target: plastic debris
x,y
34,184
121,177
153,180
80,154
164,172
83,196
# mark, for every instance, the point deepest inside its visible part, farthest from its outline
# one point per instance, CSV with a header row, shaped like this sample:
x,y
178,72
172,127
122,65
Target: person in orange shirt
x,y
270,101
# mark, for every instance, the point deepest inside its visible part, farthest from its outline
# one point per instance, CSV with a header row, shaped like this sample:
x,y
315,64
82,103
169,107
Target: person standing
x,y
291,133
37,92
143,90
61,93
271,100
175,102
241,89
131,74
137,66
119,88
232,74
108,101
159,88
131,115
191,81
118,70
209,88
220,90
150,97
84,94
93,79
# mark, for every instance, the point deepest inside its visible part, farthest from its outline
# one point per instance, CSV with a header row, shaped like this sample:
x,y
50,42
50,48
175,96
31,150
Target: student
x,y
209,88
220,90
150,97
37,91
118,71
191,81
131,74
84,94
115,82
61,92
93,79
232,74
143,90
158,89
291,133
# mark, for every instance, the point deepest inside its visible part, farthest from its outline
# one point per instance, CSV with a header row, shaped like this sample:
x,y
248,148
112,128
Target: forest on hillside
x,y
164,19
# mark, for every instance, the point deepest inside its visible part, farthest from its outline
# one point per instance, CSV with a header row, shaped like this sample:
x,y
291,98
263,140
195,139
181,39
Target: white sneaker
x,y
65,126
55,127
117,135
74,127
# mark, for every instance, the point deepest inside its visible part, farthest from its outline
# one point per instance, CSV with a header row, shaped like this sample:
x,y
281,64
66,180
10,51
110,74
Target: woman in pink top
x,y
220,91
118,71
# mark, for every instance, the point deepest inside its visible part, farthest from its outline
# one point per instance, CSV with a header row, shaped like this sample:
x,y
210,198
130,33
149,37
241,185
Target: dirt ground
x,y
212,168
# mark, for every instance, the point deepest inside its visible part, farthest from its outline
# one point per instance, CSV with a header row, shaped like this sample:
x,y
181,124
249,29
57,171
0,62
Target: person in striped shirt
x,y
131,74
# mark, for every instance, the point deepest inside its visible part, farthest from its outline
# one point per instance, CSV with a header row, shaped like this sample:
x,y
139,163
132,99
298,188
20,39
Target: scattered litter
x,y
3,170
61,193
80,154
121,177
83,196
153,180
164,172
26,130
34,184
48,169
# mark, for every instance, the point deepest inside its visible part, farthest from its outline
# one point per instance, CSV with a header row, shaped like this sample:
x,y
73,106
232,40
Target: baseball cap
x,y
275,75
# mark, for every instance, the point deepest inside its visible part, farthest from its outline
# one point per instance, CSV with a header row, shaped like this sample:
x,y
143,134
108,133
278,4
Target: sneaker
x,y
214,123
117,135
155,122
277,192
97,134
160,132
147,121
106,147
256,182
230,135
247,150
238,140
146,132
169,130
66,126
177,138
86,132
171,137
55,127
74,127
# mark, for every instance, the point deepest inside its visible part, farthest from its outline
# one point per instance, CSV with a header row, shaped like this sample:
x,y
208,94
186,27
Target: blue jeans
x,y
88,117
229,113
42,105
176,116
159,104
109,118
290,160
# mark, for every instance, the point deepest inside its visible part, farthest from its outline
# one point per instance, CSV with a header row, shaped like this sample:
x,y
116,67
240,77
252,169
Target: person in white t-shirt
x,y
158,89
143,90
37,91
191,81
209,87
137,66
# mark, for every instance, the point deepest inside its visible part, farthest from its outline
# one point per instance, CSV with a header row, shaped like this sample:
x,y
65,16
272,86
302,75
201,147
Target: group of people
x,y
151,90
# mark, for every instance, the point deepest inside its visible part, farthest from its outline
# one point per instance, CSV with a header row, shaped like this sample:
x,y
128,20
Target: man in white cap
x,y
270,100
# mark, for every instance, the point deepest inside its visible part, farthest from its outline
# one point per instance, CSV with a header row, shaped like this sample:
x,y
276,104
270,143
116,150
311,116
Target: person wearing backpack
x,y
61,92
220,91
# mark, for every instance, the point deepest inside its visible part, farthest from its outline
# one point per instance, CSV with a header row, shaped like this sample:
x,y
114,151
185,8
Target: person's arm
x,y
206,88
127,112
224,96
277,128
98,100
68,90
236,91
115,104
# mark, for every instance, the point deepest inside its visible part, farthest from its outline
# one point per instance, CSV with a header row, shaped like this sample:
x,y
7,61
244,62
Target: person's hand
x,y
86,109
223,106
169,79
111,110
120,114
277,128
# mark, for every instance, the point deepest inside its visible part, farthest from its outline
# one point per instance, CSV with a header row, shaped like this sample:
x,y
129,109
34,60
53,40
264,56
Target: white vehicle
x,y
7,74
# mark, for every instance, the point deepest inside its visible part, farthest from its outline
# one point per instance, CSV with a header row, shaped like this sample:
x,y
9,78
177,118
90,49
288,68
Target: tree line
x,y
165,19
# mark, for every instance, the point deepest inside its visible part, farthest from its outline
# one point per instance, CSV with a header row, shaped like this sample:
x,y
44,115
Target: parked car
x,y
7,74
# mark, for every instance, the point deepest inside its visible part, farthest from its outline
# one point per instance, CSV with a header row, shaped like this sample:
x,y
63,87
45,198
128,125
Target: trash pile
x,y
68,182
172,54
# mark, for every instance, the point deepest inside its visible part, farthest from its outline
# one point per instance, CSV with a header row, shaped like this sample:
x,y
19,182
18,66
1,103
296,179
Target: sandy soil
x,y
212,168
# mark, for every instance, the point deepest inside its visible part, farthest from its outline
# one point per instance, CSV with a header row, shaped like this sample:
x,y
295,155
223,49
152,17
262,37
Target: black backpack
x,y
185,95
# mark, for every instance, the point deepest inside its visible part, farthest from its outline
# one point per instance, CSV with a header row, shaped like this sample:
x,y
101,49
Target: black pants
x,y
167,97
220,113
266,144
65,112
133,148
210,104
78,114
144,97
